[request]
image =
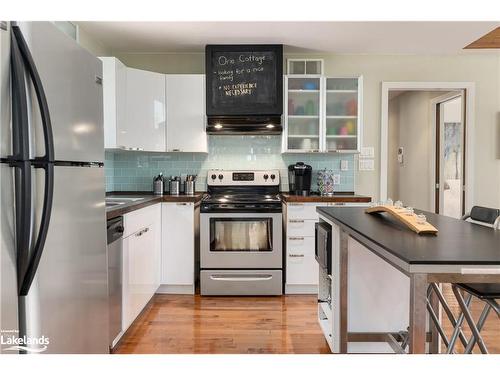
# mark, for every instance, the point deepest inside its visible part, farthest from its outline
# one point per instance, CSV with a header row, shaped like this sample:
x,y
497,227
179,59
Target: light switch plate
x,y
366,164
367,152
344,165
336,179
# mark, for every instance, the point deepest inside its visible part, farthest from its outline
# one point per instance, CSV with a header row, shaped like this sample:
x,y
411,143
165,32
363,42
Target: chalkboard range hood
x,y
244,88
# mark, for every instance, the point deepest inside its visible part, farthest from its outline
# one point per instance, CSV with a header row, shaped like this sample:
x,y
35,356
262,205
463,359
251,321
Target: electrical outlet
x,y
336,179
344,165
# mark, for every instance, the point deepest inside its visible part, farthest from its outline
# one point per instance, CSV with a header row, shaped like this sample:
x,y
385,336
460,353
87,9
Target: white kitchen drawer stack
x,y
301,266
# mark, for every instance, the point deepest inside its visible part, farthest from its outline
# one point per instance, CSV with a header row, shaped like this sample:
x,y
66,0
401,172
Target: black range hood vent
x,y
244,125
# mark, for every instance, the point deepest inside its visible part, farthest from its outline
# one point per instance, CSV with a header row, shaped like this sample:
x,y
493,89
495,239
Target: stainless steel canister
x,y
175,185
190,184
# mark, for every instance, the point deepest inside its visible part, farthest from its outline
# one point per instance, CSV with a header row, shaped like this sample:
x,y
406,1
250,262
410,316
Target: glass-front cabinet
x,y
303,110
322,114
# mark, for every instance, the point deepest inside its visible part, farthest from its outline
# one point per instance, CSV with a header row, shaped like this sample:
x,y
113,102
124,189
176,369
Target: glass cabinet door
x,y
342,114
303,113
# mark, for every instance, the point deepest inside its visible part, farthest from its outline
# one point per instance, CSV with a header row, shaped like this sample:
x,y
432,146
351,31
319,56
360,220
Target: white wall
x,y
483,69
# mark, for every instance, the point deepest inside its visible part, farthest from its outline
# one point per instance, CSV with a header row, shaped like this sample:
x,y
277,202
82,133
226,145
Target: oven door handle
x,y
241,278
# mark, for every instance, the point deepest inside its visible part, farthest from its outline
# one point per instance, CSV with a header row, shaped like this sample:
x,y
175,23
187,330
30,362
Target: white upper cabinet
x,y
114,103
144,126
322,114
186,113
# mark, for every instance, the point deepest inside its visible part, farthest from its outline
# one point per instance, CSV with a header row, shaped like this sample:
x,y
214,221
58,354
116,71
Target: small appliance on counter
x,y
158,184
190,184
325,182
299,178
175,185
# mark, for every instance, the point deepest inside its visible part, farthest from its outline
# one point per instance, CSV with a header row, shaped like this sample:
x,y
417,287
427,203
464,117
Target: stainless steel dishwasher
x,y
115,234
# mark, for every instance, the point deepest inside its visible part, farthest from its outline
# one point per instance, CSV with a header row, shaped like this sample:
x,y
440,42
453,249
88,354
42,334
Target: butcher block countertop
x,y
335,198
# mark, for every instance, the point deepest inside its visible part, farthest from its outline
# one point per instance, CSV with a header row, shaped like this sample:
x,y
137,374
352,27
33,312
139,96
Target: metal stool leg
x,y
457,324
470,320
457,331
435,319
480,324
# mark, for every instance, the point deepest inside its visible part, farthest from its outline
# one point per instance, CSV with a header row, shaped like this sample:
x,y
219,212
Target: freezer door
x,y
71,79
68,300
8,282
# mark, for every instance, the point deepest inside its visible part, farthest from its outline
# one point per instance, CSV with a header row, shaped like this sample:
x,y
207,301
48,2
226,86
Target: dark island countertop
x,y
148,199
457,242
316,198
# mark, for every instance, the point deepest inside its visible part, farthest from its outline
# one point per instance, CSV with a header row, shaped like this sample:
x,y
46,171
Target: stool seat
x,y
482,291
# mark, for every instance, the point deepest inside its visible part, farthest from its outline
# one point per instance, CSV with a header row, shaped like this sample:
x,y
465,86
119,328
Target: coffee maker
x,y
299,178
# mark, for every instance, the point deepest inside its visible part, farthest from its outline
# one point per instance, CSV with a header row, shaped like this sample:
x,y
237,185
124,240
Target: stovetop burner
x,y
244,191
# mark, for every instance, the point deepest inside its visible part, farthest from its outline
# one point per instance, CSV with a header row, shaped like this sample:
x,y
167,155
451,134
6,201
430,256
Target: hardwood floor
x,y
185,324
226,325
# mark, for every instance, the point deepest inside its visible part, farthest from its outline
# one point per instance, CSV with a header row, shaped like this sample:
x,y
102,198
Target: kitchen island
x,y
381,270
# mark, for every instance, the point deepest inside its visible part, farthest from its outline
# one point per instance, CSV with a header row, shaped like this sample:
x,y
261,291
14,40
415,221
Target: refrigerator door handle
x,y
46,162
40,95
44,228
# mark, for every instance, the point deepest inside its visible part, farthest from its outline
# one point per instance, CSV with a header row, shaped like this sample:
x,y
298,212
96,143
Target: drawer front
x,y
300,227
140,219
301,265
304,211
241,282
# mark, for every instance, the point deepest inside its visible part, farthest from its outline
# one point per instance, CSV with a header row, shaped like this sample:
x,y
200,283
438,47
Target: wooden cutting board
x,y
409,221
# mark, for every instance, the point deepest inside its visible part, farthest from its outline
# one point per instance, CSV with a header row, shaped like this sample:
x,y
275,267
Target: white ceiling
x,y
334,37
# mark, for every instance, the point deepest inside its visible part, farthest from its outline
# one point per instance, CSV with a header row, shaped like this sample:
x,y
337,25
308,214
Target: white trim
x,y
469,88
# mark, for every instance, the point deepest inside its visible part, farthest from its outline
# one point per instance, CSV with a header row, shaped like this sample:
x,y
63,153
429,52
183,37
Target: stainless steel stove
x,y
241,234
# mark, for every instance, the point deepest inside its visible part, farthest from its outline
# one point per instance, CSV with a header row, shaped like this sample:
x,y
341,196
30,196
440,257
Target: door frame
x,y
469,94
436,140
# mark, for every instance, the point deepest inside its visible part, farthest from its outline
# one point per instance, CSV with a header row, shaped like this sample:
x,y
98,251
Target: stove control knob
x,y
273,177
221,177
266,177
213,177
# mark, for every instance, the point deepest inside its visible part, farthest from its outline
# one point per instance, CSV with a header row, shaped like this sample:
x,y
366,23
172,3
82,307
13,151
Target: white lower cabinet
x,y
141,260
178,248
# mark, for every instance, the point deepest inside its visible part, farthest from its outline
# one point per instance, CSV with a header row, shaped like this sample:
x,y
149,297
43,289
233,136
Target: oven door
x,y
241,240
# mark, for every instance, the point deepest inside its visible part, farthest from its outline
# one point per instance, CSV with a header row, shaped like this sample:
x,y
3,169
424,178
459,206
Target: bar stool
x,y
485,292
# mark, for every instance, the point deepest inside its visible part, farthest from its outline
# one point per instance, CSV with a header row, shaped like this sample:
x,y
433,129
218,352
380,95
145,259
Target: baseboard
x,y
175,289
301,289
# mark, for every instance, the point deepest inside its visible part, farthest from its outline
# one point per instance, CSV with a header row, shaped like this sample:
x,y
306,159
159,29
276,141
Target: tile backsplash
x,y
134,171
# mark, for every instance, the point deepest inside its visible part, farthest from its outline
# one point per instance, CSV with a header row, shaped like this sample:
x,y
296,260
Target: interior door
x,y
71,79
450,151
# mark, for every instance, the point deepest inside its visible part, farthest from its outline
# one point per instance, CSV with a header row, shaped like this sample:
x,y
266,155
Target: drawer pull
x,y
296,238
296,255
296,204
182,204
140,233
241,277
296,221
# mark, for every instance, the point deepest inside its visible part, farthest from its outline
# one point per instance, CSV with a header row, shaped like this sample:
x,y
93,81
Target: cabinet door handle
x,y
182,204
175,150
296,221
296,255
296,204
296,238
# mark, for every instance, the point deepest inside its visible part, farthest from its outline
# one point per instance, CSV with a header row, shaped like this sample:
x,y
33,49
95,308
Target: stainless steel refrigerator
x,y
52,204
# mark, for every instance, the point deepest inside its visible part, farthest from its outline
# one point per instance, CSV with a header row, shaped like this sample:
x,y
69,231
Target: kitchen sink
x,y
123,199
118,201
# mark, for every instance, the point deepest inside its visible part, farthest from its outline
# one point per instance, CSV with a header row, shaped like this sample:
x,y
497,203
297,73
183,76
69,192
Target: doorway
x,y
449,156
426,145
